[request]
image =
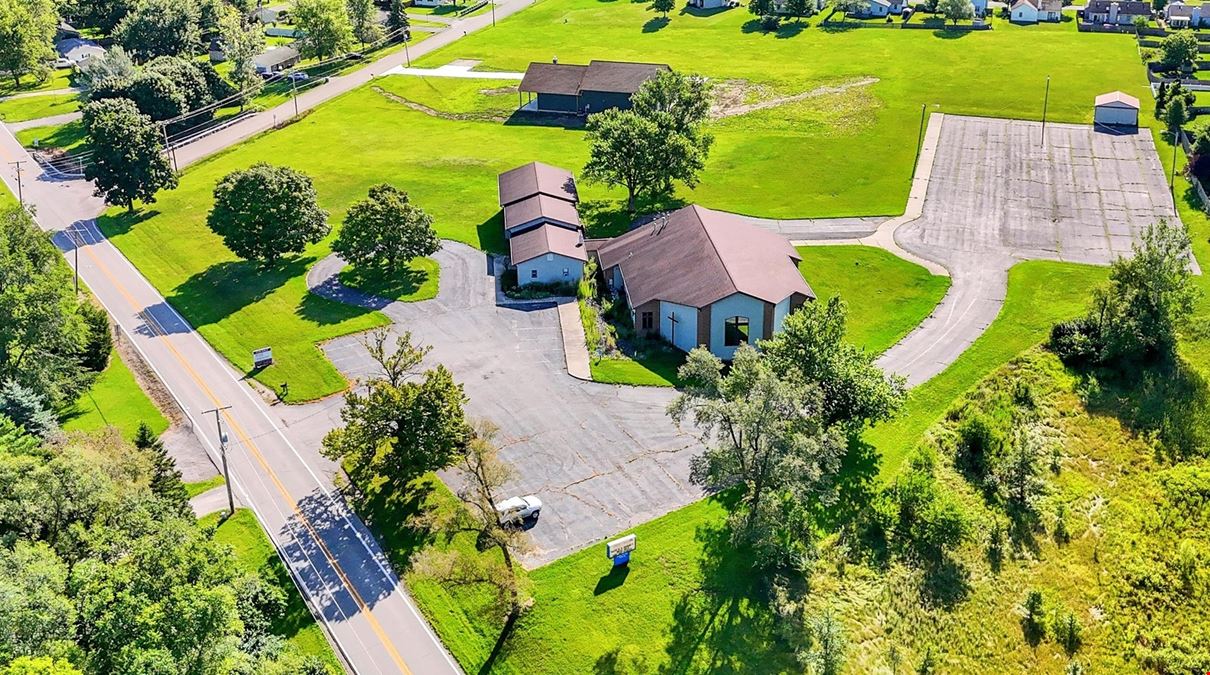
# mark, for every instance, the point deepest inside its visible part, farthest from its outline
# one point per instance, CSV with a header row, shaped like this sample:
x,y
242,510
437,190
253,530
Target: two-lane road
x,y
336,563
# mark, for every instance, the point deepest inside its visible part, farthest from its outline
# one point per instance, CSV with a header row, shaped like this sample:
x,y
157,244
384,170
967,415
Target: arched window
x,y
735,331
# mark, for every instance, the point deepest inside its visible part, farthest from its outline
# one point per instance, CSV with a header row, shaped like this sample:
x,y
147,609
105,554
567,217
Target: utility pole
x,y
1176,143
168,147
493,3
20,189
222,445
407,37
294,88
1045,104
75,239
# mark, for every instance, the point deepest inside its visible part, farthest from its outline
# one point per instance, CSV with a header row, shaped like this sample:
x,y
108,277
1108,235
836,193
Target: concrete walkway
x,y
52,121
214,499
453,70
47,92
575,345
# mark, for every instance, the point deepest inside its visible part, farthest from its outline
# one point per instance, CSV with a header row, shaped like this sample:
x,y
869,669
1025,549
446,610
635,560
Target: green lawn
x,y
655,368
114,400
255,553
1040,294
448,160
63,136
887,296
861,143
60,78
198,487
418,282
37,107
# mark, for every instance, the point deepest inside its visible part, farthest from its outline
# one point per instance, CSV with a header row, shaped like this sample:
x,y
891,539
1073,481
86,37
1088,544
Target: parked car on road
x,y
516,510
298,77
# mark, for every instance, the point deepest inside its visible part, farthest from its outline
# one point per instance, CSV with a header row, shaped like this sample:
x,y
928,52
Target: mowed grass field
x,y
37,107
116,400
445,140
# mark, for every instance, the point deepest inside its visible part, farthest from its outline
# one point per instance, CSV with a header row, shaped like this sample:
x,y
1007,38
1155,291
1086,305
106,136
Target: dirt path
x,y
735,90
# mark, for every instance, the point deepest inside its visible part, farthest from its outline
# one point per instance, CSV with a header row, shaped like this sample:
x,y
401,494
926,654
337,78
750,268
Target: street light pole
x,y
1045,105
222,444
1176,142
407,37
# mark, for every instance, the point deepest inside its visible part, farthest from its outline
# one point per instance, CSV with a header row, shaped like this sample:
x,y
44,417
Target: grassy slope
x,y
655,369
37,107
1040,293
255,553
886,295
114,400
198,487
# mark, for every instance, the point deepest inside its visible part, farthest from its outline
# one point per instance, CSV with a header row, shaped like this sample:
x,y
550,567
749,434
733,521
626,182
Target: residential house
x,y
576,89
270,15
1116,12
1116,109
1033,11
876,8
980,7
703,277
1179,15
217,53
276,60
545,238
74,51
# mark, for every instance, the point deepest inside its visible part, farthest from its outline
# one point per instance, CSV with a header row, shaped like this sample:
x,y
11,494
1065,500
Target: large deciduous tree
x,y
243,39
483,476
663,6
128,160
363,19
27,34
385,231
765,436
265,211
1179,49
811,348
43,336
326,27
407,422
660,140
160,28
956,10
114,66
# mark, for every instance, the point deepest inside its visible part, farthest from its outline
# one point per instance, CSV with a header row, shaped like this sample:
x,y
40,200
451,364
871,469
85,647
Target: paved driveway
x,y
602,458
997,195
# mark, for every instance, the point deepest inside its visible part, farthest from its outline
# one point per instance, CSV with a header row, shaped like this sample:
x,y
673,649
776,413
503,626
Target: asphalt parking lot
x,y
998,195
602,458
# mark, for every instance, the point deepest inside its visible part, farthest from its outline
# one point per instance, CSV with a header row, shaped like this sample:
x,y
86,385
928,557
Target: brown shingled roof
x,y
695,256
540,207
621,77
535,178
546,239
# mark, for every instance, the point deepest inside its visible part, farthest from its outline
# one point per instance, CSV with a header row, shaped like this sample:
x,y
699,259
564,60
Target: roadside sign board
x,y
262,357
621,547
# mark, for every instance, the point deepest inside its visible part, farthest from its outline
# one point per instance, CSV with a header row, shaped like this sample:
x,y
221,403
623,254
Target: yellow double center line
x,y
159,331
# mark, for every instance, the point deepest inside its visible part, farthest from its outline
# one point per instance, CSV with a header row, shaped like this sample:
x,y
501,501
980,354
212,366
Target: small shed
x,y
1116,109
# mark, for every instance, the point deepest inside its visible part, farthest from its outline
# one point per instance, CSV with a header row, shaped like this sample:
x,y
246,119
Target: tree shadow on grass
x,y
383,283
703,13
789,29
225,288
324,312
491,233
724,625
112,225
1170,398
393,513
856,486
655,24
950,33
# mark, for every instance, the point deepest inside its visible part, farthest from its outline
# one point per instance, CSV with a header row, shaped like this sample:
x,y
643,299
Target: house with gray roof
x,y
703,277
582,90
545,238
1116,12
1179,15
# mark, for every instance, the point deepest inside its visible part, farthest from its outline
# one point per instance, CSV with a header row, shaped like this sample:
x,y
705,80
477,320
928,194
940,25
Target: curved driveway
x,y
602,457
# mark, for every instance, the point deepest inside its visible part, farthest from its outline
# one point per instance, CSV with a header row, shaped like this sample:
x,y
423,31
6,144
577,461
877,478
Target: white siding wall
x,y
684,335
780,311
737,304
550,269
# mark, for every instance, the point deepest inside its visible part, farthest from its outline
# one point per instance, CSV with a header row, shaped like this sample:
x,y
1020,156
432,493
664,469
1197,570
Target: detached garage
x,y
1116,109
